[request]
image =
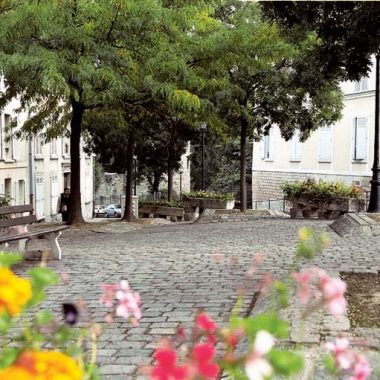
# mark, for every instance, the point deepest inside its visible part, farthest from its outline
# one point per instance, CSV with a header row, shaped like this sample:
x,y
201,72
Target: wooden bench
x,y
13,216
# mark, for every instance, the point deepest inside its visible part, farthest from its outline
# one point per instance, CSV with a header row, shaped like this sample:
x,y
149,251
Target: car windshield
x,y
118,206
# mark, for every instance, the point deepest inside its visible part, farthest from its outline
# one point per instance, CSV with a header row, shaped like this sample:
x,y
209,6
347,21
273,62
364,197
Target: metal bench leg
x,y
22,245
55,248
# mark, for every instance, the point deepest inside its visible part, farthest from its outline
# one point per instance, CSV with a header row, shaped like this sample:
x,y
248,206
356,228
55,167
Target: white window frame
x,y
54,148
361,84
38,146
266,146
64,153
295,147
324,154
360,155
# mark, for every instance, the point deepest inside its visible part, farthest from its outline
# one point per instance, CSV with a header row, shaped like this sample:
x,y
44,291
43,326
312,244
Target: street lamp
x,y
374,200
180,171
203,128
135,170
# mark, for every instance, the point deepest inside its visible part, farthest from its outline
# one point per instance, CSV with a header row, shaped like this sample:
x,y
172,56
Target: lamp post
x,y
374,200
135,170
203,128
180,171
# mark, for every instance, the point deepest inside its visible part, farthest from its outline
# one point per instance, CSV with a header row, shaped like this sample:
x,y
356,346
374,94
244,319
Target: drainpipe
x,y
30,166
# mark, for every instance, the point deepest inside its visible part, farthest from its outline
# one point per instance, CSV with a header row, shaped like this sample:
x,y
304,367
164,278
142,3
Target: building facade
x,y
34,171
339,152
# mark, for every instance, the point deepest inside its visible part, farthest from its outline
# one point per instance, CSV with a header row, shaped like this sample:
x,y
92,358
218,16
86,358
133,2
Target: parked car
x,y
113,211
100,211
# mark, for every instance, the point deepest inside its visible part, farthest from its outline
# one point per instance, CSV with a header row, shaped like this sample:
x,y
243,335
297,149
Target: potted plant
x,y
321,199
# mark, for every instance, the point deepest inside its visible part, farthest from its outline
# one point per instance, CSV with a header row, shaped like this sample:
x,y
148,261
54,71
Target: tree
x,y
263,88
59,66
348,32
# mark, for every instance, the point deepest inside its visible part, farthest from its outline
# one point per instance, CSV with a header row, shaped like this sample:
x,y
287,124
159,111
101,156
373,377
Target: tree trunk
x,y
243,165
75,215
156,182
170,178
128,211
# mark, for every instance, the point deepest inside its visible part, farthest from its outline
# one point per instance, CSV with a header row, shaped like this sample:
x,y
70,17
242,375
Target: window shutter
x,y
271,143
325,144
360,148
262,148
296,147
15,149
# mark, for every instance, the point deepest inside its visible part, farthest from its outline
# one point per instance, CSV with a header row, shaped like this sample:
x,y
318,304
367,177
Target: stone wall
x,y
267,184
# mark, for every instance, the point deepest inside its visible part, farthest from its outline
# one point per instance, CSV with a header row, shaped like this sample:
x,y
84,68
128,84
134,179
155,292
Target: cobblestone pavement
x,y
174,268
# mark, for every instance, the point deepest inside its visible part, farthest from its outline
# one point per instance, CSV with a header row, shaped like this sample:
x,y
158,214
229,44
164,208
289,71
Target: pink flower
x,y
303,279
108,295
333,290
203,355
361,369
204,322
257,367
166,367
341,352
129,302
351,362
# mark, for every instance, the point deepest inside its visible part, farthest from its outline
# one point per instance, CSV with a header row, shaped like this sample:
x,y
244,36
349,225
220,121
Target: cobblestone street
x,y
174,268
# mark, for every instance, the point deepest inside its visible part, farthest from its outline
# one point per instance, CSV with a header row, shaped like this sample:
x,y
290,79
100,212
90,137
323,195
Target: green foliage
x,y
209,195
285,363
41,278
269,322
8,259
310,243
321,190
171,203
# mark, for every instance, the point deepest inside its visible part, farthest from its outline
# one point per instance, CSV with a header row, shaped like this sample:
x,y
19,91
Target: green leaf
x,y
282,293
269,322
285,362
43,277
8,259
330,365
5,322
8,356
43,317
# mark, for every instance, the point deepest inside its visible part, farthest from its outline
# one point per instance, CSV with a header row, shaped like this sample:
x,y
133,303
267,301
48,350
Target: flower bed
x,y
322,200
203,199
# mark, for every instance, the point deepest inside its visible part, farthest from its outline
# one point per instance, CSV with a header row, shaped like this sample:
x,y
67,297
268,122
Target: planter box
x,y
203,203
175,213
308,208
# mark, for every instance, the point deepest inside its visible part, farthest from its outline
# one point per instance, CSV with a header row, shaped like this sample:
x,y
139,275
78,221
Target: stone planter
x,y
303,207
175,213
203,203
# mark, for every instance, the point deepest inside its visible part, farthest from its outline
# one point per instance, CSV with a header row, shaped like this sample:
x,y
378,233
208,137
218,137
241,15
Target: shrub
x,y
172,203
321,190
210,195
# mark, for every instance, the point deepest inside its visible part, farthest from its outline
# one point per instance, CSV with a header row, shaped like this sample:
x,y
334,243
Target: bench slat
x,y
26,235
15,209
17,221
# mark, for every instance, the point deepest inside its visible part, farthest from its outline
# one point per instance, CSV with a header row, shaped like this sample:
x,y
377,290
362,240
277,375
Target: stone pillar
x,y
135,206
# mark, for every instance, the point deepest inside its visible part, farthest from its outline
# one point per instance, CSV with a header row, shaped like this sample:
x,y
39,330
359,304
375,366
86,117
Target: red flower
x,y
204,322
203,354
166,368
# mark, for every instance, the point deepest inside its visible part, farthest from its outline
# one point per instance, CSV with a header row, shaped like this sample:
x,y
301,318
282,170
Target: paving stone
x,y
176,270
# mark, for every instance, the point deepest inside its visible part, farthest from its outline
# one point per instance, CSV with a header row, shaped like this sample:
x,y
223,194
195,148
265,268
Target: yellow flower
x,y
15,292
304,233
42,365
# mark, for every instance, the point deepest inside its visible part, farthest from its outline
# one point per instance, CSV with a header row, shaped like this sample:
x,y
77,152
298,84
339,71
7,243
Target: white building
x,y
34,171
339,152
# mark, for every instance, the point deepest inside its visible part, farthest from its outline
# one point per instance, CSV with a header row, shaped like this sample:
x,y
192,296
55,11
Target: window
x,y
325,144
54,189
53,148
267,146
361,85
8,155
296,147
359,151
38,145
65,148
